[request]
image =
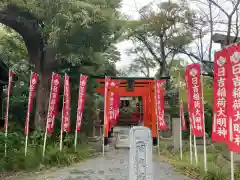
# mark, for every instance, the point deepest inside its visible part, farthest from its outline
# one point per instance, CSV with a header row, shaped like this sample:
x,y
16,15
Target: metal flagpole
x,y
195,150
190,144
231,153
204,135
105,115
28,116
7,112
180,130
158,139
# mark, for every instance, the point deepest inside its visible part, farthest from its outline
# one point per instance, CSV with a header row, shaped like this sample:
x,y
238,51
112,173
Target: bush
x,y
215,171
16,160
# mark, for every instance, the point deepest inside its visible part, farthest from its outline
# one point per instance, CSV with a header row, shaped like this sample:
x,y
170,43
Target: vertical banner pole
x,y
105,115
7,112
75,141
155,93
45,136
190,144
180,130
28,116
195,150
232,165
204,130
62,123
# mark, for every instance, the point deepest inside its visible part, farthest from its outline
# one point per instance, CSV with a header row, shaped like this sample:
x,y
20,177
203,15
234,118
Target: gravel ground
x,y
113,166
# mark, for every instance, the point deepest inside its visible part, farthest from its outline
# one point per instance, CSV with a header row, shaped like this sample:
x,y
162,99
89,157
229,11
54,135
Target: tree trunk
x,y
42,102
43,89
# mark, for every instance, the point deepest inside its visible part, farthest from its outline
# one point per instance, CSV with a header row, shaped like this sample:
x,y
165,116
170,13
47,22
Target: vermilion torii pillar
x,y
143,87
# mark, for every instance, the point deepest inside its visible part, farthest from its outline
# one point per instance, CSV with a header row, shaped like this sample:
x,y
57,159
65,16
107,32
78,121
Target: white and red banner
x,y
81,100
159,94
66,106
195,98
112,105
10,79
53,102
220,121
183,122
32,90
233,96
116,105
106,105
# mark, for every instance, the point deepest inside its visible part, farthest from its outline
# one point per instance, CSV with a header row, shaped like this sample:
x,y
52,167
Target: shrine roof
x,y
124,80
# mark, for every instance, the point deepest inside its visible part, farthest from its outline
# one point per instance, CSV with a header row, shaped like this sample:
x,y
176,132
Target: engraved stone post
x,y
176,131
140,156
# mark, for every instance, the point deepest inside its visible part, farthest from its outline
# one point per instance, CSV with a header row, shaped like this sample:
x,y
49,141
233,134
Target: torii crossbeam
x,y
135,86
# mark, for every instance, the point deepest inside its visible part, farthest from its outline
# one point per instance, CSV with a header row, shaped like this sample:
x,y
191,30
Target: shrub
x,y
16,160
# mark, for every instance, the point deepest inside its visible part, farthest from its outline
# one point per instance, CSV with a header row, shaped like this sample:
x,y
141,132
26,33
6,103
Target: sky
x,y
130,7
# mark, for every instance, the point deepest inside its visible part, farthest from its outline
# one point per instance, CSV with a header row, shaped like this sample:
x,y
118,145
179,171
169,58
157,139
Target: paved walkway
x,y
113,166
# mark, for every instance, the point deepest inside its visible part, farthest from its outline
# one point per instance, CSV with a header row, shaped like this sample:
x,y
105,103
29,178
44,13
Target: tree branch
x,y
218,6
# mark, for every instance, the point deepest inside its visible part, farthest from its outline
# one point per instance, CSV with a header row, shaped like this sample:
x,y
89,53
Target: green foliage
x,y
162,30
16,160
82,33
215,171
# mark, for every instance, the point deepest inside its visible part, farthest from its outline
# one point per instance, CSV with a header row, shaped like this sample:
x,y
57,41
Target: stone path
x,y
113,166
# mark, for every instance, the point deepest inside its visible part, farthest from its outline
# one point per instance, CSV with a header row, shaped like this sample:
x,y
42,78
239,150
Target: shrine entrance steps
x,y
122,136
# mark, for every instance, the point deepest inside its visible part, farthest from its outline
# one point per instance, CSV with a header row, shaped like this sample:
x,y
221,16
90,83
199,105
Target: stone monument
x,y
176,133
140,155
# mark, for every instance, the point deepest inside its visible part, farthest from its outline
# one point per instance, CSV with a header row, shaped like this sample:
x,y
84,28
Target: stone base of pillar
x,y
155,141
106,141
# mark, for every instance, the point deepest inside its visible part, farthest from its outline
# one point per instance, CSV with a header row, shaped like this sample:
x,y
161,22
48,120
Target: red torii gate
x,y
143,87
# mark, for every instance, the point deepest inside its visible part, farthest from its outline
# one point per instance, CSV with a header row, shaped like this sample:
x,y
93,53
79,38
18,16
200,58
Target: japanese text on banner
x,y
66,105
116,105
106,105
159,94
188,99
81,100
111,105
233,96
195,98
11,74
220,123
53,102
32,89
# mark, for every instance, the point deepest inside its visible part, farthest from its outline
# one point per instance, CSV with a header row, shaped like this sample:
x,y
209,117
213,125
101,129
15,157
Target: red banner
x,y
10,79
81,100
32,89
183,122
159,93
220,123
53,102
66,106
106,105
111,105
116,105
189,107
195,98
233,96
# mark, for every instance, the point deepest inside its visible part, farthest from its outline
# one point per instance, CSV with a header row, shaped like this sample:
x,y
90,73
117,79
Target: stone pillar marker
x,y
176,133
140,155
